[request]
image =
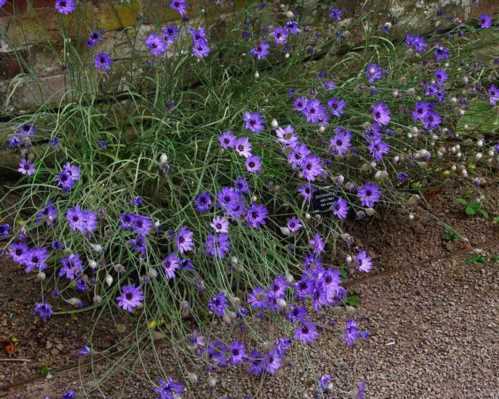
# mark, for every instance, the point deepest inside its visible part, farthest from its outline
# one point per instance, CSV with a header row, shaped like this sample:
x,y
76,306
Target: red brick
x,y
14,7
9,67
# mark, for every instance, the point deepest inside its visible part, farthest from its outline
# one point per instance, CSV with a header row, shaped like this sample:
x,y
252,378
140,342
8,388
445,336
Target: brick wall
x,y
33,69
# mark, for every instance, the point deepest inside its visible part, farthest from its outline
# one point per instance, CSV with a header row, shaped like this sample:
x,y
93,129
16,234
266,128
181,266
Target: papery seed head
x,y
370,211
212,381
41,276
109,280
274,123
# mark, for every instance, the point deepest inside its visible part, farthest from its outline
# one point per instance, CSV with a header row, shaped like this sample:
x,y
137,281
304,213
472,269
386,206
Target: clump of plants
x,y
220,185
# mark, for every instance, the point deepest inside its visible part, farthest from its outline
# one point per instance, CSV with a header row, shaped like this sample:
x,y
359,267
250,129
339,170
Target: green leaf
x,y
353,300
44,371
462,201
475,260
472,208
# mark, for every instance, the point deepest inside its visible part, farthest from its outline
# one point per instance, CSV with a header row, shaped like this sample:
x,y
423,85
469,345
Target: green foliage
x,y
473,208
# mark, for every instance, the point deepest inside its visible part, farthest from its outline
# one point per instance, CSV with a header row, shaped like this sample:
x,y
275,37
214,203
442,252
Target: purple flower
x,y
68,177
4,231
217,245
378,149
337,106
381,113
237,353
81,220
286,136
292,27
256,215
306,191
294,224
297,155
231,201
72,267
317,244
241,185
260,51
485,21
300,103
340,208
26,167
227,140
341,142
2,3
280,36
218,304
297,314
374,72
69,394
432,120
26,130
421,110
179,6
335,14
170,33
257,298
103,62
17,252
170,264
200,49
369,194
184,240
131,297
441,76
417,43
325,382
35,258
139,224
254,164
272,362
364,262
311,167
85,351
65,6
169,389
353,333
306,333
156,45
361,390
493,94
254,122
220,225
203,202
94,38
441,53
243,147
315,112
43,310
256,363
329,85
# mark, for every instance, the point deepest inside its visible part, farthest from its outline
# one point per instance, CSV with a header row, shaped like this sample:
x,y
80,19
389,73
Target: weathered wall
x,y
32,65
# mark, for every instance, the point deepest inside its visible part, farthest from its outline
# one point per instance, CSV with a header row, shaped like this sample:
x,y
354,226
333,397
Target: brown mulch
x,y
433,319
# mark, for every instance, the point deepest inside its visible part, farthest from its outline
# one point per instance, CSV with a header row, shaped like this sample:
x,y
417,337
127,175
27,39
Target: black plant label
x,y
322,200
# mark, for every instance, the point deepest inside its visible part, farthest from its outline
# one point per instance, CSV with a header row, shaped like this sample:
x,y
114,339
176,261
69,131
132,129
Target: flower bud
x,y
109,280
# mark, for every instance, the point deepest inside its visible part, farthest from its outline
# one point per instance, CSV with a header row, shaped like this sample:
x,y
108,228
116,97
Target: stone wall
x,y
33,67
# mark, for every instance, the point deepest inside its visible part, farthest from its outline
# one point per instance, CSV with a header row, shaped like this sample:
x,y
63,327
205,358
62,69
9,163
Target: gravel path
x,y
435,332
